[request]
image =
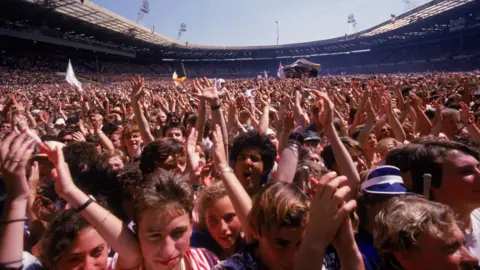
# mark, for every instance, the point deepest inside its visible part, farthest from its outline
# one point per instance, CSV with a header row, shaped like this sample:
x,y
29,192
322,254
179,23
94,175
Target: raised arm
x,y
31,120
424,123
300,117
438,120
14,154
289,156
105,142
201,119
237,194
367,128
207,91
342,157
358,114
192,156
329,222
468,121
263,126
393,121
288,125
112,229
138,92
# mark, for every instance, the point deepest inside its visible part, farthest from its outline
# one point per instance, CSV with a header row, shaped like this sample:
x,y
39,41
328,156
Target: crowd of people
x,y
341,172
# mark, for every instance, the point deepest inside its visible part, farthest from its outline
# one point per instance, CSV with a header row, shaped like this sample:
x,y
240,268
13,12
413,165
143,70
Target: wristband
x,y
295,136
3,223
214,108
3,265
226,170
85,205
197,187
295,143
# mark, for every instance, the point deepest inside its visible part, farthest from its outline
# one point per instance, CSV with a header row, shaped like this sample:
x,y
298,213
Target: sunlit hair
x,y
278,205
451,113
385,144
209,195
399,226
129,130
107,155
164,190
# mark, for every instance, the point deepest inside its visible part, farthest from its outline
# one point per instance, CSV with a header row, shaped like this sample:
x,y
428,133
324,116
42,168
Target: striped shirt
x,y
200,259
194,259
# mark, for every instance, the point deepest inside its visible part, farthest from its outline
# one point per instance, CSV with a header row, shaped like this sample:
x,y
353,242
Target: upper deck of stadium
x,y
89,23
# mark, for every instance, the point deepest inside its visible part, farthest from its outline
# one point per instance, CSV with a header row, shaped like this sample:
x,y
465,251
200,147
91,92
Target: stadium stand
x,y
438,36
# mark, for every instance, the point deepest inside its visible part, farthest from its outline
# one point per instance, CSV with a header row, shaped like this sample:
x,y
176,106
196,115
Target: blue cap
x,y
384,180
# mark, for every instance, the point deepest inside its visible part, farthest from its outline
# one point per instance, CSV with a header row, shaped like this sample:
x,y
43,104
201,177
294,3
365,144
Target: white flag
x,y
280,72
265,74
70,78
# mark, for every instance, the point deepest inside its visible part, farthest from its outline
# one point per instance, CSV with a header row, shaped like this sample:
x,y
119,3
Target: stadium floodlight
x,y
351,21
183,28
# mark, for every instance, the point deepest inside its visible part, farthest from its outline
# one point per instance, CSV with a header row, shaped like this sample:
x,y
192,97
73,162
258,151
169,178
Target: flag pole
x,y
278,37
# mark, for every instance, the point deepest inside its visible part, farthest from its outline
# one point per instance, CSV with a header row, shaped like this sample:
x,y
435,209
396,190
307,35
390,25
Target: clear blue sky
x,y
252,22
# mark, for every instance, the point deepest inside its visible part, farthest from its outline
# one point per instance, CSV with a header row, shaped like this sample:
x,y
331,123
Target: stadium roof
x,y
96,15
428,10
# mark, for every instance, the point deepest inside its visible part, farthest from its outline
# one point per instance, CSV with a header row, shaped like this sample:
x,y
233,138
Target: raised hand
x,y
138,90
465,113
78,136
415,100
15,150
34,177
205,177
329,204
325,117
63,179
206,91
370,111
44,208
265,100
191,145
28,106
289,121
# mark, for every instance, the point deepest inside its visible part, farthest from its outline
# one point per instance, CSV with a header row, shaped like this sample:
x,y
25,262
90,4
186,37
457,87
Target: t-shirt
x,y
202,239
241,261
30,262
194,259
200,259
364,242
244,260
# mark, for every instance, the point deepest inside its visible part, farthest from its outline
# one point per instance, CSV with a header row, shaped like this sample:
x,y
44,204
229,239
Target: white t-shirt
x,y
473,239
30,262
